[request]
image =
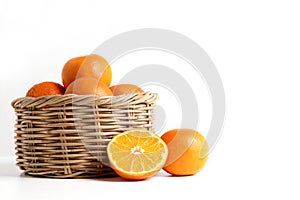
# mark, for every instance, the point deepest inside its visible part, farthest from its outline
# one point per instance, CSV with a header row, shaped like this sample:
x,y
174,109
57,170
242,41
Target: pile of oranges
x,y
84,75
134,154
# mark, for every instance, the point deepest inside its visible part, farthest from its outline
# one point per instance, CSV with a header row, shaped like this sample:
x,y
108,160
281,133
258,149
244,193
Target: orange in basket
x,y
87,66
87,85
125,89
45,89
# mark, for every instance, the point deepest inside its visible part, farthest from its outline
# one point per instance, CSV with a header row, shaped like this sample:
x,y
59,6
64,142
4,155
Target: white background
x,y
255,46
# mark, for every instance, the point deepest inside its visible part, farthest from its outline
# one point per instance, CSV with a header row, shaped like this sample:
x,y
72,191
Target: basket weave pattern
x,y
66,136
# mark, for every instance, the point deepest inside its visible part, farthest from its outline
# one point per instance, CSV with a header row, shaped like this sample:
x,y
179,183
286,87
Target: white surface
x,y
255,46
17,185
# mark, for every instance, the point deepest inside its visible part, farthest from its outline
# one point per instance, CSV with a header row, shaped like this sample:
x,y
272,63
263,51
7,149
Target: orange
x,y
70,70
125,89
87,66
87,85
137,154
45,89
187,151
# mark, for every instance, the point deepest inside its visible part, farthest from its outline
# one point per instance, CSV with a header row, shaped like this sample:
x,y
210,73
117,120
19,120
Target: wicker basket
x,y
66,136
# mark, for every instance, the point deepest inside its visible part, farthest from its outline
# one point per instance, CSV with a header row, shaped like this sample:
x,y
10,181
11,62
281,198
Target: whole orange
x,y
125,89
45,89
87,85
70,70
87,66
187,151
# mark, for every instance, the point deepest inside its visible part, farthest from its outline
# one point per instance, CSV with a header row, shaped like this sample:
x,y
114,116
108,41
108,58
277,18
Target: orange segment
x,y
137,154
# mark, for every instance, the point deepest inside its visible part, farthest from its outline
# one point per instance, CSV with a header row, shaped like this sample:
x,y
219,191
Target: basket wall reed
x,y
66,136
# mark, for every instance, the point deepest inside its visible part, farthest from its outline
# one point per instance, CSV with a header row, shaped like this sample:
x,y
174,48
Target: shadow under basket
x,y
65,136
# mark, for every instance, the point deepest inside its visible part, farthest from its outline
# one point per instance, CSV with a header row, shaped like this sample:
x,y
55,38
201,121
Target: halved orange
x,y
137,154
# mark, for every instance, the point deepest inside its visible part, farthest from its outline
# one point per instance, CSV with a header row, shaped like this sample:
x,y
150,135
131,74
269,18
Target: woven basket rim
x,y
55,98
